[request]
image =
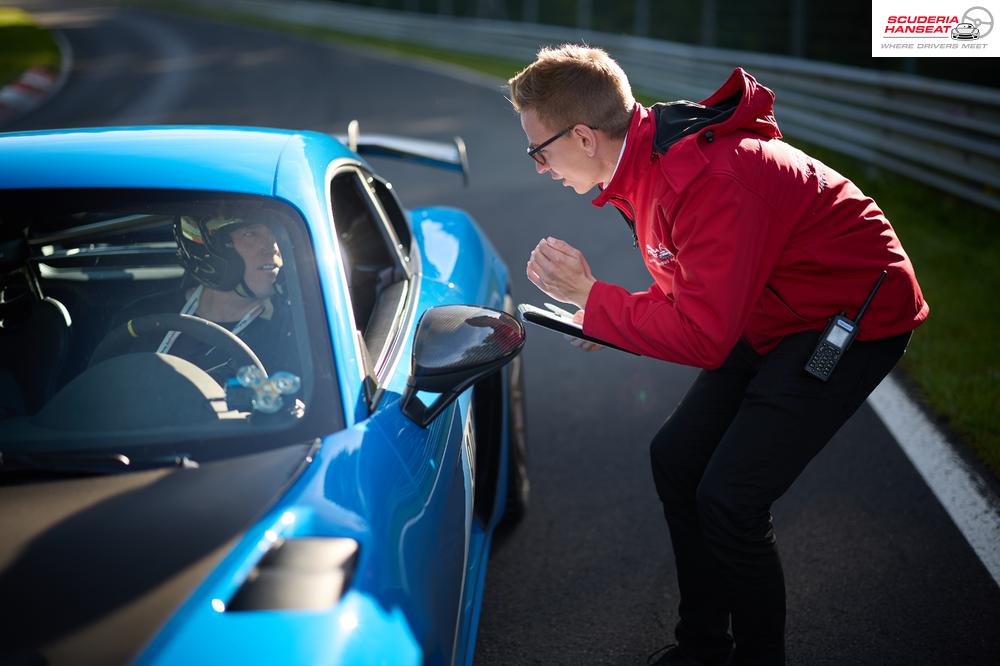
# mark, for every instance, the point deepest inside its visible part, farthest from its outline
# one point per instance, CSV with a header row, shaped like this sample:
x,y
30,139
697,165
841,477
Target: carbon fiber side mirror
x,y
456,346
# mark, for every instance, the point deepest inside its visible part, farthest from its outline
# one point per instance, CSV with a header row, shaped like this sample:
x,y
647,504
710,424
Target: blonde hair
x,y
575,83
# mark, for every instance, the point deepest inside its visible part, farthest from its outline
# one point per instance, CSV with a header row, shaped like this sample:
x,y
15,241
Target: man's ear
x,y
587,138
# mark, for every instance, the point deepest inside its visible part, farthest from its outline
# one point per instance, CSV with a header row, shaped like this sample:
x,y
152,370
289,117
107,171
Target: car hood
x,y
91,567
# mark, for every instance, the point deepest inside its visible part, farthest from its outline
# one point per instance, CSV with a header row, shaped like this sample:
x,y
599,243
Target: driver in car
x,y
235,265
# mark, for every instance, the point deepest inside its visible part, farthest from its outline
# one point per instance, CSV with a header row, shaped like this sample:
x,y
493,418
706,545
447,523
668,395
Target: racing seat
x,y
34,346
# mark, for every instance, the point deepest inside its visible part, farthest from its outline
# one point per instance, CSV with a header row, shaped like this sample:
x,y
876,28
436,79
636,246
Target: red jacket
x,y
744,235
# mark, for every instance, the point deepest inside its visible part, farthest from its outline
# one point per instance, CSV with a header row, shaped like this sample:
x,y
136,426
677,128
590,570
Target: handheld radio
x,y
836,339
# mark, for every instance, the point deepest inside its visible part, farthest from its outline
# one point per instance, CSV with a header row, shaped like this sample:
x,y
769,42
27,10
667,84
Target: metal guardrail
x,y
940,133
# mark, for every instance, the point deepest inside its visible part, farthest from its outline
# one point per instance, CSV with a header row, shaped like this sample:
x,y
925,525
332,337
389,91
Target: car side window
x,y
386,196
376,277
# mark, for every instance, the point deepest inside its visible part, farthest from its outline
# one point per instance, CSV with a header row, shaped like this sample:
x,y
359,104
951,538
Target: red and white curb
x,y
25,93
35,85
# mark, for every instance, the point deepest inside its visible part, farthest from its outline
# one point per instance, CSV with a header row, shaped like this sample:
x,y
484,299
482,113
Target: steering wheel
x,y
156,326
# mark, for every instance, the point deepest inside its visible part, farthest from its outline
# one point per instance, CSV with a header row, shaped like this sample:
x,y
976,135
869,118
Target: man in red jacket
x,y
752,246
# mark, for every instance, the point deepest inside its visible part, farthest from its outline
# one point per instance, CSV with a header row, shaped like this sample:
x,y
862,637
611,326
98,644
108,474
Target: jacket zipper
x,y
630,221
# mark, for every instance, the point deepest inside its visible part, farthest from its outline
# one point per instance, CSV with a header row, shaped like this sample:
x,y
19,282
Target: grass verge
x,y
953,246
23,45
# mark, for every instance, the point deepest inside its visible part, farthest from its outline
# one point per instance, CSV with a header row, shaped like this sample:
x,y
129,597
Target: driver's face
x,y
259,249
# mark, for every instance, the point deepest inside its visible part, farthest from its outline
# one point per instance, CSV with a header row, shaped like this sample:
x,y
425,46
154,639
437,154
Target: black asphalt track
x,y
876,572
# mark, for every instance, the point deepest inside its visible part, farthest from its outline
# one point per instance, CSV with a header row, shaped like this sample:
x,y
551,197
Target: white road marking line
x,y
972,506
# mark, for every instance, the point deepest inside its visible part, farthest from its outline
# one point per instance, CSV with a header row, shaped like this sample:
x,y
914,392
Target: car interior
x,y
373,253
34,345
71,261
73,265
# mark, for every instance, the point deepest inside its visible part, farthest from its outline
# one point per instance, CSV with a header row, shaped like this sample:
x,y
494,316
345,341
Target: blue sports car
x,y
252,409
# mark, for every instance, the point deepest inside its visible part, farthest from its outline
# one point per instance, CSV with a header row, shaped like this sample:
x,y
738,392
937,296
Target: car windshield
x,y
132,320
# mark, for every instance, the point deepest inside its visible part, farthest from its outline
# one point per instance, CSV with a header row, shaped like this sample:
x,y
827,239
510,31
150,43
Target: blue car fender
x,y
455,251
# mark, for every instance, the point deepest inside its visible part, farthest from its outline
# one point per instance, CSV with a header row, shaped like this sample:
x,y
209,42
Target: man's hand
x,y
561,271
585,345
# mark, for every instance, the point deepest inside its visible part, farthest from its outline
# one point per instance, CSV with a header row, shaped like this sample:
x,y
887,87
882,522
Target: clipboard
x,y
560,324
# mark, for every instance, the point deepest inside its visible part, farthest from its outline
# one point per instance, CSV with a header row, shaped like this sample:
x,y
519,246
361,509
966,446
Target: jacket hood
x,y
670,130
740,104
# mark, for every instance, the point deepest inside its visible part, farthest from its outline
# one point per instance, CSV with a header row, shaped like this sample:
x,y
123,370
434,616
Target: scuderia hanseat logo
x,y
932,27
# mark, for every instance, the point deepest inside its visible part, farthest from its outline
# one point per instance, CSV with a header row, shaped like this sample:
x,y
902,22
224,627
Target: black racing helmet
x,y
207,254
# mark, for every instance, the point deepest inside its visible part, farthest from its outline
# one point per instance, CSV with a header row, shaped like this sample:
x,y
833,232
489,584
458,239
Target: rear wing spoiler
x,y
451,156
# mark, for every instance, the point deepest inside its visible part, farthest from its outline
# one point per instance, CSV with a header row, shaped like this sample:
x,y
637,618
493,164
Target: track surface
x,y
876,572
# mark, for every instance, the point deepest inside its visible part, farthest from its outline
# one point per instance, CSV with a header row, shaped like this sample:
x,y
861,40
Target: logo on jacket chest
x,y
659,255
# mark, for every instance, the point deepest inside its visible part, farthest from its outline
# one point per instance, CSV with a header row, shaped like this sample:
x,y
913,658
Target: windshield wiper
x,y
76,462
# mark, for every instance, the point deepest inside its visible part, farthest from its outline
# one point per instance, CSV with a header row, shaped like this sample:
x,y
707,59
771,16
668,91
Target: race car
x,y
252,409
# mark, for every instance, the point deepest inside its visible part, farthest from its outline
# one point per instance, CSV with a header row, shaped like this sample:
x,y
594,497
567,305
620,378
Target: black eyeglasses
x,y
533,151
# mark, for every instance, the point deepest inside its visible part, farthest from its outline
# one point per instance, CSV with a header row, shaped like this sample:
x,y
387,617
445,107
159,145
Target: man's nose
x,y
539,167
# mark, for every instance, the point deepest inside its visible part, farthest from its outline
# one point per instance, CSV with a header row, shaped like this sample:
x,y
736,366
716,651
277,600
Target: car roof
x,y
216,158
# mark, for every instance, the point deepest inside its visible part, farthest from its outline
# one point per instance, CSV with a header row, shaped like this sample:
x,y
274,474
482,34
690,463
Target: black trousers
x,y
739,438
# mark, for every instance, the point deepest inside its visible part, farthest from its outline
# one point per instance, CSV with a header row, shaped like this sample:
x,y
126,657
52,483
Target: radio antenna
x,y
878,283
